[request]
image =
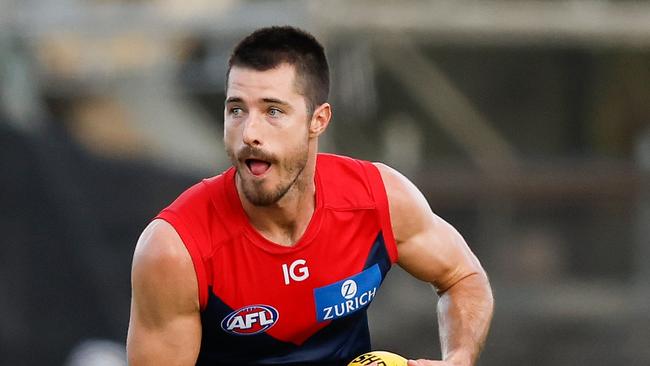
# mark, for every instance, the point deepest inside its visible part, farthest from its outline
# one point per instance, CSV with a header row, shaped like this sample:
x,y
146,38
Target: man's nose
x,y
252,134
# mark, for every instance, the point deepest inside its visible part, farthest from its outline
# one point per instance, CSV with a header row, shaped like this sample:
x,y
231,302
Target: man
x,y
276,260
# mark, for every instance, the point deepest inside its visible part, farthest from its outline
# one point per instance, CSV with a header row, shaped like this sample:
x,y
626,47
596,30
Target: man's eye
x,y
236,111
274,112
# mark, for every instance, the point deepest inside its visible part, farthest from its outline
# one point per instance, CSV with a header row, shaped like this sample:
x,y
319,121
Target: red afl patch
x,y
249,320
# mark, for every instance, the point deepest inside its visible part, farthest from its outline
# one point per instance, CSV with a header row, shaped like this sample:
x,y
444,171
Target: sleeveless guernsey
x,y
266,304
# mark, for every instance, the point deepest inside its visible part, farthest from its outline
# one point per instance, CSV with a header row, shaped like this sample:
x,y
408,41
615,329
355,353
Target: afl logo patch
x,y
249,320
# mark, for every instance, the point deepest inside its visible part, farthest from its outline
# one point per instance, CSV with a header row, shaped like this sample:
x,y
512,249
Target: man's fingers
x,y
423,362
415,362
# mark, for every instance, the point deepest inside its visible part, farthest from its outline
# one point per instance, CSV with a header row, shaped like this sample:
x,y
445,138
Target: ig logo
x,y
297,271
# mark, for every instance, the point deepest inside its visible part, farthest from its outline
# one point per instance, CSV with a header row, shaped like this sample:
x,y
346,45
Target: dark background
x,y
526,125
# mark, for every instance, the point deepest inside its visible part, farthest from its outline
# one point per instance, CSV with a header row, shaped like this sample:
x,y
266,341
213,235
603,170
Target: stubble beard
x,y
291,168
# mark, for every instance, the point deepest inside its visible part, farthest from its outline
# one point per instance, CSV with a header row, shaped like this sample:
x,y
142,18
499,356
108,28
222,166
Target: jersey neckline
x,y
258,239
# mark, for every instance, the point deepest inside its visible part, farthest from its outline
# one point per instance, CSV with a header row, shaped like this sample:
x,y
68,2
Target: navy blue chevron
x,y
336,344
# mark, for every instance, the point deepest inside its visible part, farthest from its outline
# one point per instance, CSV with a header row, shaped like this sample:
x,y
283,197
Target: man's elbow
x,y
475,283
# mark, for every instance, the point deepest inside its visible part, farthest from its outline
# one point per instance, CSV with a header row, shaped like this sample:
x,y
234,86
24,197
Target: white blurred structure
x,y
97,352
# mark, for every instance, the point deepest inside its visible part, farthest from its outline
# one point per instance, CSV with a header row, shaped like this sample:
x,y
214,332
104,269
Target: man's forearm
x,y
464,316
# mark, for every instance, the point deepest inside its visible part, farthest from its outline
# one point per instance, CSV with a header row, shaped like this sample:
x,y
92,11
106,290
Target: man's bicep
x,y
428,247
165,322
439,256
176,342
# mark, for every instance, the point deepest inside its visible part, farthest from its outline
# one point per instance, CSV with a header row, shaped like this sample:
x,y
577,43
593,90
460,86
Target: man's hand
x,y
422,362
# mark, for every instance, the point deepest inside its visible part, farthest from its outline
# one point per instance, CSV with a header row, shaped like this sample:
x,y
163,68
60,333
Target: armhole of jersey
x,y
378,191
193,249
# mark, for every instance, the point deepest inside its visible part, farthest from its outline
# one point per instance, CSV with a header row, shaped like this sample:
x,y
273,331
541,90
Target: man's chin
x,y
261,200
258,196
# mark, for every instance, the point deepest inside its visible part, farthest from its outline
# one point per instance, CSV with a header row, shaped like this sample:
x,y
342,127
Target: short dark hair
x,y
267,48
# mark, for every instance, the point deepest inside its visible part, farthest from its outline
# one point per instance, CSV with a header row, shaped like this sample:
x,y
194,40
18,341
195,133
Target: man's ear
x,y
320,119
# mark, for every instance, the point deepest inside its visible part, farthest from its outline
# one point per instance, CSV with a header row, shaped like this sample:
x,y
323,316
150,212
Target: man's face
x,y
266,131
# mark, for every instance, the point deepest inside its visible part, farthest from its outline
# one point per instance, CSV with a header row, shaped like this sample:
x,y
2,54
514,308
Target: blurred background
x,y
525,123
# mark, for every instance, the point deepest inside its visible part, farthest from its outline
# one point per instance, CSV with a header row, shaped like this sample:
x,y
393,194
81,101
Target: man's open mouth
x,y
257,167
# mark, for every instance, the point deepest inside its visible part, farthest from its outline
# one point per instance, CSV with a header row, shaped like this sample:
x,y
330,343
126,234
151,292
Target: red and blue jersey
x,y
267,304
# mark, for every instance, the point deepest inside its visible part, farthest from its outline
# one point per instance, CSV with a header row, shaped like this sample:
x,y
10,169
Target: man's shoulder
x,y
327,161
162,265
336,158
159,241
201,193
345,181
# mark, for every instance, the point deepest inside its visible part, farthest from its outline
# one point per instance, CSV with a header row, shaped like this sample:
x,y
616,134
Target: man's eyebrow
x,y
265,100
275,101
234,100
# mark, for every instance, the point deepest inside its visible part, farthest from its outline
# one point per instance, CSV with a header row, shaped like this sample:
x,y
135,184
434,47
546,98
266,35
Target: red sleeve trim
x,y
378,191
197,259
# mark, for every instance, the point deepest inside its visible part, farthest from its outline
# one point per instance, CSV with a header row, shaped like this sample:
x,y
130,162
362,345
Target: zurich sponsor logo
x,y
347,296
249,320
349,289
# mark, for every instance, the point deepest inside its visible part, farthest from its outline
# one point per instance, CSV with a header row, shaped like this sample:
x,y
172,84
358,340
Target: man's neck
x,y
285,221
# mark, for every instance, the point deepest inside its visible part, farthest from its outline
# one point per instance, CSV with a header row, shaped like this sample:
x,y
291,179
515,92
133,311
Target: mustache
x,y
248,152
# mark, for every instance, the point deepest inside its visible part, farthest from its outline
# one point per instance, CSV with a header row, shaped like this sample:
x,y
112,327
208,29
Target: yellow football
x,y
383,357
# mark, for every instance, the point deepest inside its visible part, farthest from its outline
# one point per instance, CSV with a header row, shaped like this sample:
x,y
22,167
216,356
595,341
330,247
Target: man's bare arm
x,y
165,325
433,251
